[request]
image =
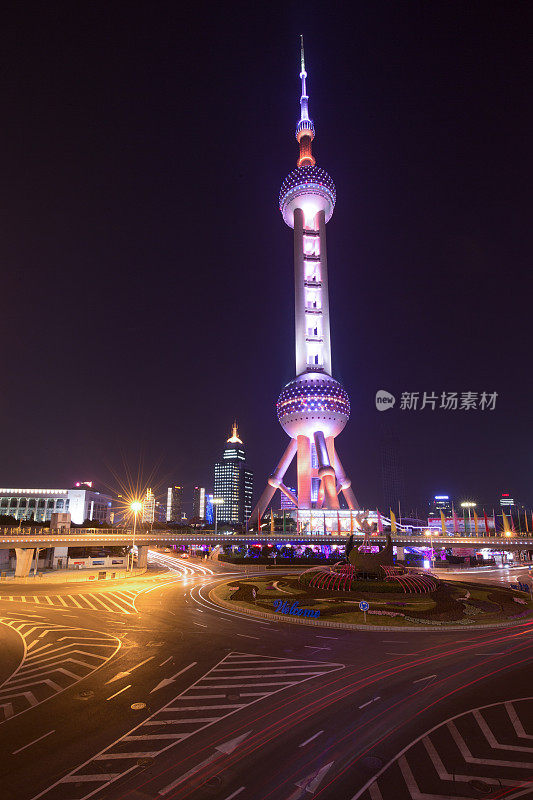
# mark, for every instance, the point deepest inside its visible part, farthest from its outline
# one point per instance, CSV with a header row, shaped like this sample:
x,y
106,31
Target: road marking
x,y
318,636
119,691
167,681
395,641
246,636
312,781
124,749
200,624
427,678
14,753
370,701
224,749
120,675
166,661
230,796
310,739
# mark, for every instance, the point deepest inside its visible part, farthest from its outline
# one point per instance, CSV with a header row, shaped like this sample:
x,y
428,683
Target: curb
x,y
352,626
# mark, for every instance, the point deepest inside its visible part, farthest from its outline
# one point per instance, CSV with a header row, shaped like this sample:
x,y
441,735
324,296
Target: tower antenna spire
x,y
305,130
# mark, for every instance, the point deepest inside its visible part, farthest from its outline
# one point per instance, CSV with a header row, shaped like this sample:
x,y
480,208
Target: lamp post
x,y
217,501
136,506
467,504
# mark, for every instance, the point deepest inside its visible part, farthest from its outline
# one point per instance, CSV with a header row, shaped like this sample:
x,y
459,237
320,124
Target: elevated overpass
x,y
25,541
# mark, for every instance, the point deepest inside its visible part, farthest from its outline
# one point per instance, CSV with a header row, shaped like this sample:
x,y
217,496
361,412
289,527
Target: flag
x,y
393,528
506,528
455,521
476,523
338,523
283,520
310,522
325,523
443,523
258,522
486,521
271,521
380,522
351,522
525,517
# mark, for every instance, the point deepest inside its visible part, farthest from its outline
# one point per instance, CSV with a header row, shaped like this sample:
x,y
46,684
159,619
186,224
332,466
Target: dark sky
x,y
147,291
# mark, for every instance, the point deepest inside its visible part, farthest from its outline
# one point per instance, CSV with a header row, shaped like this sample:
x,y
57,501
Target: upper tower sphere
x,y
308,188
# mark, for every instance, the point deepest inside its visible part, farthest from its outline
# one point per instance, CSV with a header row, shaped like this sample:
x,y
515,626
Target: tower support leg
x,y
345,485
274,482
326,472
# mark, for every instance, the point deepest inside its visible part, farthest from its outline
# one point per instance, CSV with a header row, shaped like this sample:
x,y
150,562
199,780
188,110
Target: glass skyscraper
x,y
233,482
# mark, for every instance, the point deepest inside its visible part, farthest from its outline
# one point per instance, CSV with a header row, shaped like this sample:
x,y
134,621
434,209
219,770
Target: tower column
x,y
326,335
304,472
299,292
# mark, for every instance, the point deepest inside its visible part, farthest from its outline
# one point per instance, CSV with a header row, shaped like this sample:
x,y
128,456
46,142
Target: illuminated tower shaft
x,y
313,408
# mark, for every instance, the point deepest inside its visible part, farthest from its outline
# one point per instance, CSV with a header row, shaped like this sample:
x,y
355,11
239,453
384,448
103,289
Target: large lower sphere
x,y
313,402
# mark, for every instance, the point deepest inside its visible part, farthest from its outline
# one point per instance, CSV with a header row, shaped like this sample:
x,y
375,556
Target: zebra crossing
x,y
55,658
115,602
484,752
235,682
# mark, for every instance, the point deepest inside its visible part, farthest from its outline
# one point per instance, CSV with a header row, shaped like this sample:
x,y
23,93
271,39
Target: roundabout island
x,y
368,589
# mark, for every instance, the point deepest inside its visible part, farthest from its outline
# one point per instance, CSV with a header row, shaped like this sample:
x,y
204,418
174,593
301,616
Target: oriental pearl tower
x,y
314,407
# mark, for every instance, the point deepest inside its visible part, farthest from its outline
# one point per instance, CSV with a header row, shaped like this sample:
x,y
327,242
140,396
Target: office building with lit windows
x,y
148,508
198,503
174,504
233,482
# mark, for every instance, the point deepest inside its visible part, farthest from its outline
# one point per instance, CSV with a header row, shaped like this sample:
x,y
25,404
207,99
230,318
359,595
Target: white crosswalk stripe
x,y
186,714
481,752
55,658
112,602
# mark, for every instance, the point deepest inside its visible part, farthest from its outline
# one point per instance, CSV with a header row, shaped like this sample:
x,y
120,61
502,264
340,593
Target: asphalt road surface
x,y
145,690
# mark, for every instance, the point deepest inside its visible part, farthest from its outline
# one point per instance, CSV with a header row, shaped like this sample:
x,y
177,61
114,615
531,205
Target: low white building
x,y
38,505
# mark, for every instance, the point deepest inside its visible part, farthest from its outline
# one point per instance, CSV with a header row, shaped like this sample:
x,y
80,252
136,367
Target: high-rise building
x,y
441,502
209,508
313,408
174,504
507,502
233,482
198,503
148,508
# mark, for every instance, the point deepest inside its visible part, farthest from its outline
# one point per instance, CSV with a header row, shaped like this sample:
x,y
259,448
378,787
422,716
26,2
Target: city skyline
x,y
433,232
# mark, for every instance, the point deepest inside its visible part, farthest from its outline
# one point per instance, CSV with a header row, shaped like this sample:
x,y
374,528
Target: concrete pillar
x,y
142,556
24,559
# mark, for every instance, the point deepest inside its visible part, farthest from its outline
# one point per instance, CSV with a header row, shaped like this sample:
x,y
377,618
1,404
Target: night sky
x,y
147,289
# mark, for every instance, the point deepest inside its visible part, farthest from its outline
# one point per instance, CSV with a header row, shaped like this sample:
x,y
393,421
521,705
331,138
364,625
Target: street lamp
x,y
217,501
136,506
467,504
430,534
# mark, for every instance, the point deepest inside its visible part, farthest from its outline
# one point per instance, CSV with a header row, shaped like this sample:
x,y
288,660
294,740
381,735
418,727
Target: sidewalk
x,y
70,576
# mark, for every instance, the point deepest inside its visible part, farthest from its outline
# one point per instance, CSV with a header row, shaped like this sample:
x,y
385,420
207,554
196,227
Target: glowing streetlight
x,y
136,506
468,504
217,501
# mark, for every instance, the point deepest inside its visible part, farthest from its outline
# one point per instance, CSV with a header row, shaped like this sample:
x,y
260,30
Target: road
x,y
145,689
